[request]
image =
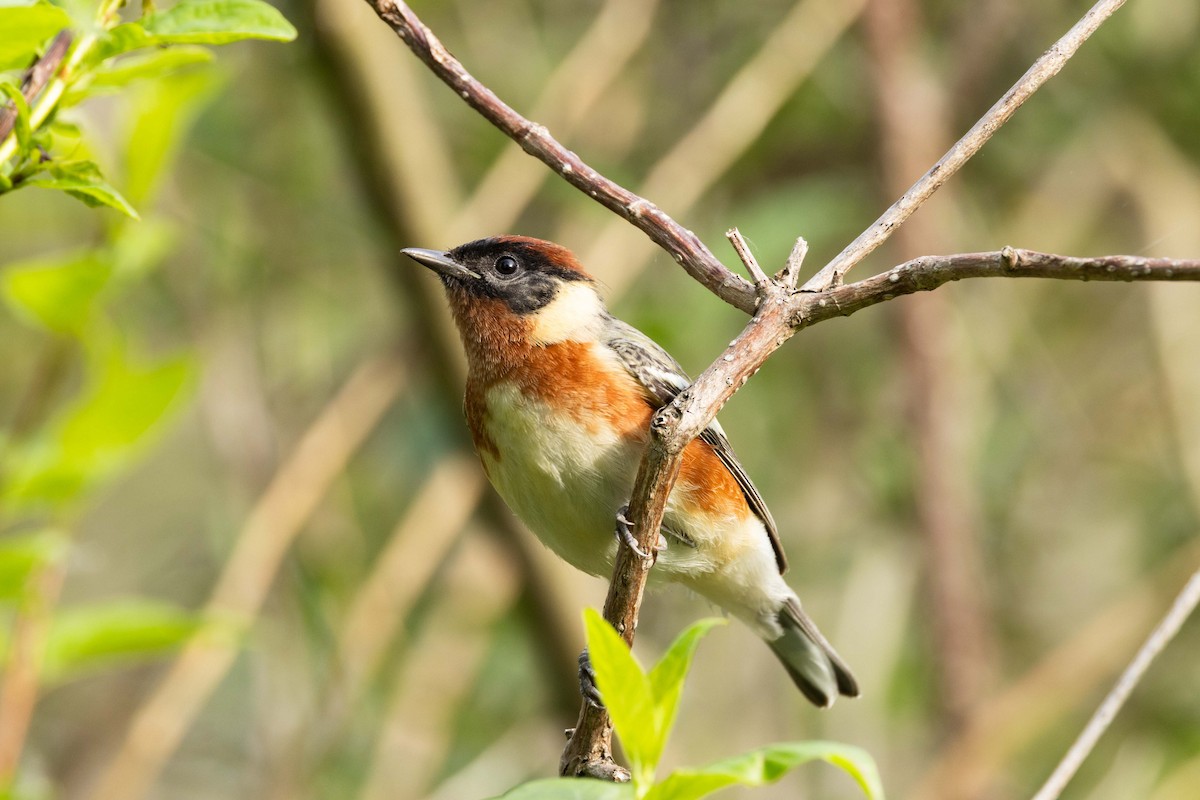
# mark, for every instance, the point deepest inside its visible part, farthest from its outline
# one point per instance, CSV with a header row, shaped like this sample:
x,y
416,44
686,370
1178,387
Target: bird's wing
x,y
663,378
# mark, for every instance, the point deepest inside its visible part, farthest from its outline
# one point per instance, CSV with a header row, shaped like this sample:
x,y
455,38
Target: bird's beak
x,y
439,262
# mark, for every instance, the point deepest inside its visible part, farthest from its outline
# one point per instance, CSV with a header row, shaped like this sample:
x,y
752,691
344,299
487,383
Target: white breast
x,y
563,480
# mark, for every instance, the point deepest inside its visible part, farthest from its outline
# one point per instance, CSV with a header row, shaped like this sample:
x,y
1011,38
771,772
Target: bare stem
x,y
35,79
1042,70
743,250
795,260
1180,610
683,245
106,17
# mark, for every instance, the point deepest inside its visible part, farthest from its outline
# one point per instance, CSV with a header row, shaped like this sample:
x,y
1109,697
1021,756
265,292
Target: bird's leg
x,y
624,532
587,681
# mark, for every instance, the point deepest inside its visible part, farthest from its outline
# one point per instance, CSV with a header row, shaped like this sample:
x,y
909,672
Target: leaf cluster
x,y
105,54
643,706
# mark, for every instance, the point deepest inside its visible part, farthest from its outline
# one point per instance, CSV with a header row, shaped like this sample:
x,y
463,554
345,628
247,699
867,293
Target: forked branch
x,y
779,310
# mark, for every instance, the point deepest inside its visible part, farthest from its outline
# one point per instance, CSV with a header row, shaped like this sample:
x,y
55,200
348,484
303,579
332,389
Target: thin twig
x,y
682,244
36,78
570,94
790,275
929,272
733,122
1042,70
743,250
1180,610
676,424
1008,722
56,87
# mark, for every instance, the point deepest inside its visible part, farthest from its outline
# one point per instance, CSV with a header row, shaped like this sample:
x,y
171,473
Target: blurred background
x,y
265,564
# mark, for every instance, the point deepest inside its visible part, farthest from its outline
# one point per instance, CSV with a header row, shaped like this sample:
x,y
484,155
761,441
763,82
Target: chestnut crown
x,y
525,273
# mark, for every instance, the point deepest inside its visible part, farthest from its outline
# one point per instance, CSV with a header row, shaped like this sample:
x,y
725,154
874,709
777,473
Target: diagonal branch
x,y
534,139
36,78
1181,609
1042,70
735,119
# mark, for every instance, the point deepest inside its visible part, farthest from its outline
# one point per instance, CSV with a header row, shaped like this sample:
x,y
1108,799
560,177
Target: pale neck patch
x,y
576,312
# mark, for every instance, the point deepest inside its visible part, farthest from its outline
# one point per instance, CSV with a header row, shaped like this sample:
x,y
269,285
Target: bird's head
x,y
516,291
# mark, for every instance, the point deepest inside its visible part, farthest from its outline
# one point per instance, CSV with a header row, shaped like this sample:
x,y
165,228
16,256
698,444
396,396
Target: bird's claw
x,y
587,682
624,532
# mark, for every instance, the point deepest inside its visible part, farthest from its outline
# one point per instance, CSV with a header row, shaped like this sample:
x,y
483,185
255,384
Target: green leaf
x,y
22,556
24,29
148,65
64,128
117,40
626,691
137,250
93,637
218,22
160,114
58,294
121,408
767,765
666,679
83,181
21,123
570,789
98,433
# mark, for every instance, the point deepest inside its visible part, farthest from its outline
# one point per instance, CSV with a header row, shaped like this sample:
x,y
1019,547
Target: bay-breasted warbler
x,y
559,397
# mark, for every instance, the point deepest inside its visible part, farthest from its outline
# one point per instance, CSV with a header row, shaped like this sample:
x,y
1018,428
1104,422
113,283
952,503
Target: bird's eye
x,y
506,265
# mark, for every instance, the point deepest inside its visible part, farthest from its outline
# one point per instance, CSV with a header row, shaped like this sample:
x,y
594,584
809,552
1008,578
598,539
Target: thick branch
x,y
681,243
1042,70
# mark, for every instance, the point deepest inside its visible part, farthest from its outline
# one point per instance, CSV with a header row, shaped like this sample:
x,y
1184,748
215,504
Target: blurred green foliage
x,y
100,392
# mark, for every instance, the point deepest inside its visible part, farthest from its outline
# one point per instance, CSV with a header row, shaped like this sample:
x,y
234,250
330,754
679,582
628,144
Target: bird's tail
x,y
815,667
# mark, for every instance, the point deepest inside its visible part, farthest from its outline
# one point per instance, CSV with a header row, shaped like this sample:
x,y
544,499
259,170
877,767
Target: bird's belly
x,y
563,478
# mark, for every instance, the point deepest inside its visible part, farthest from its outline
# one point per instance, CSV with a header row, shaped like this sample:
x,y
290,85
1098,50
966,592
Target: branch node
x,y
640,208
533,131
1010,258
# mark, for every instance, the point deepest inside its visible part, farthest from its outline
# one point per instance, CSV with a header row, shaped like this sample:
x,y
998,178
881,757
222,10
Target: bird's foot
x,y
624,532
587,682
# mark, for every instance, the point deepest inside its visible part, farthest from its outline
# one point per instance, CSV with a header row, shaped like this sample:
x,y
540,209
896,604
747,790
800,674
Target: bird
x,y
558,400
